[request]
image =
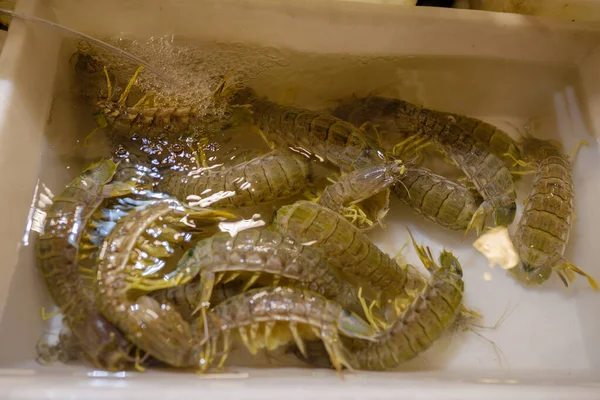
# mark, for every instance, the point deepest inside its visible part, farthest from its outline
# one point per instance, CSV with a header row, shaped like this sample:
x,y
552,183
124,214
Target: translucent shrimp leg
x,y
102,122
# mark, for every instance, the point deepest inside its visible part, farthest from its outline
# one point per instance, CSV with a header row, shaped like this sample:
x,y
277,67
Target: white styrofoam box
x,y
511,70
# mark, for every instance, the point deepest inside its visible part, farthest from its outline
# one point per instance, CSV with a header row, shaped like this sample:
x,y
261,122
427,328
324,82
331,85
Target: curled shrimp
x,y
426,320
131,264
429,316
58,254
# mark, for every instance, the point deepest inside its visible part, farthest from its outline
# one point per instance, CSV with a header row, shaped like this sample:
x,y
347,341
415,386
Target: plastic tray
x,y
508,69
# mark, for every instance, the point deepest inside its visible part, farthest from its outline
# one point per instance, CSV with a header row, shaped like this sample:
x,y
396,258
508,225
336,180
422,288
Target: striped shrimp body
x,y
487,172
379,112
545,226
490,177
431,314
359,186
132,262
346,246
327,136
268,318
145,117
255,253
153,121
185,298
58,255
495,140
436,198
265,179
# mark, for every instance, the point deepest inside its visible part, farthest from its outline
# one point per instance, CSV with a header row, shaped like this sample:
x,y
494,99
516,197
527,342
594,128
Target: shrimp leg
x,y
256,254
431,314
277,316
154,327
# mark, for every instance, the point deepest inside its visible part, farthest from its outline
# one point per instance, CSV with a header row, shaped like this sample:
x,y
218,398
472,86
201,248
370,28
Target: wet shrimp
x,y
545,226
268,318
59,252
360,185
255,254
495,140
431,314
149,116
436,198
374,110
487,171
185,298
346,246
132,263
276,175
322,134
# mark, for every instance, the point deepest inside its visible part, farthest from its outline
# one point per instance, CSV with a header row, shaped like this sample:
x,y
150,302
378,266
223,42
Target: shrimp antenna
x,y
97,42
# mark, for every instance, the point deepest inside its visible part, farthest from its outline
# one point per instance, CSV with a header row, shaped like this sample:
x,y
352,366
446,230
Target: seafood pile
x,y
155,255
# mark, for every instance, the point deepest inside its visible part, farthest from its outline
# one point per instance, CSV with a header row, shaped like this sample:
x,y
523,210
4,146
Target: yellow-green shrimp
x,y
359,186
431,314
436,198
322,134
133,262
492,179
259,256
268,318
149,117
346,246
276,175
58,256
545,226
375,111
